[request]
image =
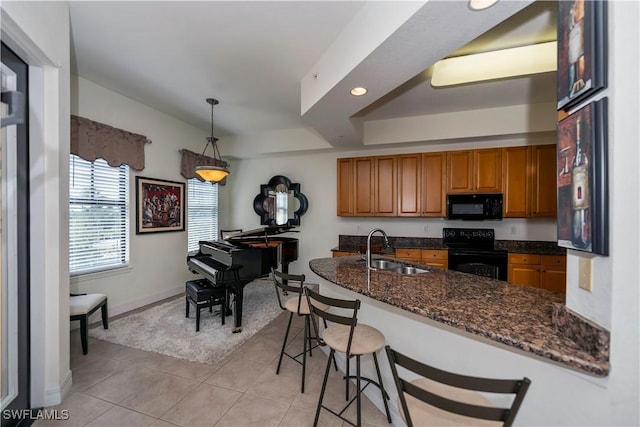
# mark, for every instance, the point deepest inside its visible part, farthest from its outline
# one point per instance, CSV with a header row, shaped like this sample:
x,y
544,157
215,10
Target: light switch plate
x,y
585,276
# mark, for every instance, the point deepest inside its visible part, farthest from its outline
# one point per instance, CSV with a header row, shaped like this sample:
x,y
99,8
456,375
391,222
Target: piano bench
x,y
202,294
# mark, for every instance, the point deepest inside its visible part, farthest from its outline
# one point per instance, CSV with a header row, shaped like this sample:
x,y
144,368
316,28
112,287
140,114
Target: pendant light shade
x,y
212,173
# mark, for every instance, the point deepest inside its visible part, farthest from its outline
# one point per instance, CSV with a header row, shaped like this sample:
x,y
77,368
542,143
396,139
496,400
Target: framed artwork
x,y
583,222
159,205
582,58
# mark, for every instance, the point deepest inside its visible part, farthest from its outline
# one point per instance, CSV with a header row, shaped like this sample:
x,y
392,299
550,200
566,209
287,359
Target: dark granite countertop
x,y
349,243
516,316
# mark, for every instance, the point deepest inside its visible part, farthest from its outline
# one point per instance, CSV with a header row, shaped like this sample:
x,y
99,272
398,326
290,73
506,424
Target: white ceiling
x,y
253,56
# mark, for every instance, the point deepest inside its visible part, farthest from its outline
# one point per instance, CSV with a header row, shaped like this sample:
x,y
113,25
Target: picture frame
x,y
582,177
160,205
582,53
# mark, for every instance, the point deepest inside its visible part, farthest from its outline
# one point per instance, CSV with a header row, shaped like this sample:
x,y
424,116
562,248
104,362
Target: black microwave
x,y
476,207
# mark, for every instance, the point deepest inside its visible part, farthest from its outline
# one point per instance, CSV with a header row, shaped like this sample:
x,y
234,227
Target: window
x,y
98,216
202,212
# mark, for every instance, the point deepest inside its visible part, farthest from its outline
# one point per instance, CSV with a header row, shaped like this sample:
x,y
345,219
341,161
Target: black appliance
x,y
474,206
471,250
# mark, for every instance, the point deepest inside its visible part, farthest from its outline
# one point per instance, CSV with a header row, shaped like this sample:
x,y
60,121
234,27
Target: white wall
x,y
158,266
39,33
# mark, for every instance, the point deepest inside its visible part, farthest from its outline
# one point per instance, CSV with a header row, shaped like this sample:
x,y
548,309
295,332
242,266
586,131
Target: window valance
x,y
92,140
190,160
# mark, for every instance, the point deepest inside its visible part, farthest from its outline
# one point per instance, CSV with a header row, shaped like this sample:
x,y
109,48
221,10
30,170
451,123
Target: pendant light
x,y
218,172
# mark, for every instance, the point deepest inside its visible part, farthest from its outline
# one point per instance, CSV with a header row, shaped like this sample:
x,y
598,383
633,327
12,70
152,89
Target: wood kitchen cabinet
x,y
529,181
433,257
367,186
337,254
474,171
345,187
421,189
433,185
409,184
538,271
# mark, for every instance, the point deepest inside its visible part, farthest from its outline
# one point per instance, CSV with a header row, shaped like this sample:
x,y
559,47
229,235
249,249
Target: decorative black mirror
x,y
280,203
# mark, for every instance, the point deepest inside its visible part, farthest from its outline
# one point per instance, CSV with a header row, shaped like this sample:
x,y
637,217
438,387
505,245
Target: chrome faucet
x,y
386,243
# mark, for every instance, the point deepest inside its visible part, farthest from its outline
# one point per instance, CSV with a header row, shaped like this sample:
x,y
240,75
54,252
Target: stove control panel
x,y
468,237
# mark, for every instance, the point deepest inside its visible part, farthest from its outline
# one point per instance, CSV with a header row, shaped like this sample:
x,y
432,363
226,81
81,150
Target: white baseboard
x,y
54,396
141,302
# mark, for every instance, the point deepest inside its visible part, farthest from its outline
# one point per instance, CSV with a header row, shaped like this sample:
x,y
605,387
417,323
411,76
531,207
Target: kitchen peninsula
x,y
528,320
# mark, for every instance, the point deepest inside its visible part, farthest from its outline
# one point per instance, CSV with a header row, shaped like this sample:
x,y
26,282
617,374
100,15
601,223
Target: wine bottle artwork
x,y
581,233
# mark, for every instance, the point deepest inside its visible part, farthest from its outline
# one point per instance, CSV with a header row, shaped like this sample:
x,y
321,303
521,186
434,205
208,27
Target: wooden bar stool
x,y
345,335
445,398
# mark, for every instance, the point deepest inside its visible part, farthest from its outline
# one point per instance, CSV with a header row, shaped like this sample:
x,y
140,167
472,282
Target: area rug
x,y
164,328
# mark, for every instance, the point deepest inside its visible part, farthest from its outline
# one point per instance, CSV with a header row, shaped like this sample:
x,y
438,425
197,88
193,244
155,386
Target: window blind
x,y
98,216
202,212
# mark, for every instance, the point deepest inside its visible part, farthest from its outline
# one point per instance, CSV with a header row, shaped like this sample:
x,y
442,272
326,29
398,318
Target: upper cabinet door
x,y
488,170
433,184
345,187
409,184
515,181
460,171
363,170
385,186
544,185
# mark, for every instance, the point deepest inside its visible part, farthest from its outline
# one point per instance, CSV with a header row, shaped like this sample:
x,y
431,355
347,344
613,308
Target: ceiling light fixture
x,y
358,91
499,64
213,173
481,4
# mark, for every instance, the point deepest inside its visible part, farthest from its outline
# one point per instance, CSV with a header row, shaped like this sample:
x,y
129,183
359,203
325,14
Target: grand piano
x,y
242,258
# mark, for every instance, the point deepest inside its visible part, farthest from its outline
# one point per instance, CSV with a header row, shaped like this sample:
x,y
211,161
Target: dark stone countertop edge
x,y
579,360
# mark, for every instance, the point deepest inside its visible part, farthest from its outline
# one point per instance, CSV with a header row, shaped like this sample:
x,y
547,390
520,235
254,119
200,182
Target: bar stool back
x,y
293,284
345,335
445,398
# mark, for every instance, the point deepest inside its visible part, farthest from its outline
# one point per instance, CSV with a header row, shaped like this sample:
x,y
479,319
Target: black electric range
x,y
471,250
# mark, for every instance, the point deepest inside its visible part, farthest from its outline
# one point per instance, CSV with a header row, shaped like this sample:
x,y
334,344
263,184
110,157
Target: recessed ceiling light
x,y
358,91
481,4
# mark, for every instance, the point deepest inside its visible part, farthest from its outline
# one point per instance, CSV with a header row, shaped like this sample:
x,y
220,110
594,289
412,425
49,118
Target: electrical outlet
x,y
514,230
358,227
585,274
426,228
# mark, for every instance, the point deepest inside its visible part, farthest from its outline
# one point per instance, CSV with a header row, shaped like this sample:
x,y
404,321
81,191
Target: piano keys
x,y
242,258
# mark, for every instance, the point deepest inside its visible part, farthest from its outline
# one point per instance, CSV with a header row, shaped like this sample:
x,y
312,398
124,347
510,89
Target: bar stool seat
x,y
366,339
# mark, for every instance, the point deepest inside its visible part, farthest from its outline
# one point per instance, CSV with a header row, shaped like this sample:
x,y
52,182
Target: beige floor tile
x,y
119,416
119,352
204,406
334,396
238,374
98,369
261,349
371,415
161,423
251,411
298,416
180,367
165,392
82,410
124,384
283,387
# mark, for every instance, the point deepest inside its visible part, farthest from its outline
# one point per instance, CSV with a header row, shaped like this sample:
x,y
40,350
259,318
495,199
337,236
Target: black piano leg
x,y
229,308
237,309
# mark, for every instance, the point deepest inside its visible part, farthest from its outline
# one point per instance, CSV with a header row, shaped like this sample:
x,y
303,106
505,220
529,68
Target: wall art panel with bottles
x,y
583,222
582,53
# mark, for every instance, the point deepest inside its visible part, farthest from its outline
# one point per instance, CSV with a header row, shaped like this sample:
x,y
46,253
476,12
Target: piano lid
x,y
263,231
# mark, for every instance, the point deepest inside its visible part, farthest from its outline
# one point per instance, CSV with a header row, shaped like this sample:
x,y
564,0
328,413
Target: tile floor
x,y
121,386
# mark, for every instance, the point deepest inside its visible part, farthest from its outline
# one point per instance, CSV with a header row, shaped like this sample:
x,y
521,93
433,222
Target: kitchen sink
x,y
382,264
409,270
